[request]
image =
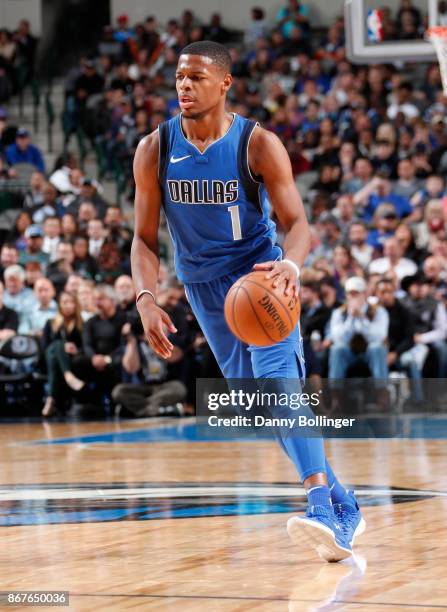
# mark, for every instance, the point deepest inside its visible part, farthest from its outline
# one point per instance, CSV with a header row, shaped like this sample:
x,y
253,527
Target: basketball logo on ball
x,y
258,313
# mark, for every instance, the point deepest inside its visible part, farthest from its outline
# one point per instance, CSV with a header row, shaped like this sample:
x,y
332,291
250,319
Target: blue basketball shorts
x,y
235,358
282,362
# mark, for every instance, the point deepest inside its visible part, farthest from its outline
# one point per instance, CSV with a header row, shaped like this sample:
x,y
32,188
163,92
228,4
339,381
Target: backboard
x,y
376,32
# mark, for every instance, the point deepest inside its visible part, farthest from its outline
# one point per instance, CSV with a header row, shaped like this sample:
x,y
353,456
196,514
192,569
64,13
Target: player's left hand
x,y
281,272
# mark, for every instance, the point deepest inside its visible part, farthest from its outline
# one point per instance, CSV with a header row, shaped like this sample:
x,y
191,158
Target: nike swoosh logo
x,y
175,160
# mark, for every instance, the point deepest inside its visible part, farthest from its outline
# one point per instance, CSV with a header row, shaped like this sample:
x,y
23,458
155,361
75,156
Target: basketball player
x,y
216,175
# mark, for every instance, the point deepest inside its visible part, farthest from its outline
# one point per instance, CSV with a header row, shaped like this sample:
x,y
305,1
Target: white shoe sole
x,y
318,536
359,530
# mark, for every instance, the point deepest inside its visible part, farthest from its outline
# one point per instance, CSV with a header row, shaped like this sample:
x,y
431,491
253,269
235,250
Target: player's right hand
x,y
155,320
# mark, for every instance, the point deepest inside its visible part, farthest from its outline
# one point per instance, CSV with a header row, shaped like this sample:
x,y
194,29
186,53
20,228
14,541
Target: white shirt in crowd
x,y
408,109
404,267
362,255
50,246
94,246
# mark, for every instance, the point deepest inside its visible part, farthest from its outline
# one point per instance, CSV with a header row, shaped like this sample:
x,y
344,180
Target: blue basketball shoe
x,y
350,518
321,529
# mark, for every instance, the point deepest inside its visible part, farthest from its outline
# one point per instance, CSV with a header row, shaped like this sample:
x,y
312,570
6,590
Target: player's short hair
x,y
215,51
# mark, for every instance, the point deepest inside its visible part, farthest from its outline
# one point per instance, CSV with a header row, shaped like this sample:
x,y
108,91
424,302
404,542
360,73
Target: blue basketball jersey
x,y
217,212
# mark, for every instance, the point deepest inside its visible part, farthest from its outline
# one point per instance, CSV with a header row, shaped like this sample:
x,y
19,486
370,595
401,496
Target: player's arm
x,y
144,254
268,158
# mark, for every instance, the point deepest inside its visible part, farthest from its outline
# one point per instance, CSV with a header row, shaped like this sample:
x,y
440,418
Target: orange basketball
x,y
258,313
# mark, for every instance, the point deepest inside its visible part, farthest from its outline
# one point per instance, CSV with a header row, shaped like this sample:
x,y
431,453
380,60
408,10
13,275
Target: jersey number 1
x,y
235,222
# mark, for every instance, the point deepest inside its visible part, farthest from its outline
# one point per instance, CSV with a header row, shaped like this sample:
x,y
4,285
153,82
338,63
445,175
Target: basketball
x,y
258,313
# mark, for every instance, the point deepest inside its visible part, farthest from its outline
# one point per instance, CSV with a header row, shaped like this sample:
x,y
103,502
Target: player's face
x,y
200,85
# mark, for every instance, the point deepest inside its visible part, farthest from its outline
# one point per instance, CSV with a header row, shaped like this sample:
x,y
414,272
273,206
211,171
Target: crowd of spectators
x,y
368,146
17,59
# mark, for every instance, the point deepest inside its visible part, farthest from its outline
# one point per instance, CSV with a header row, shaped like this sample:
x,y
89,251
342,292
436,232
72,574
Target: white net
x,y
438,37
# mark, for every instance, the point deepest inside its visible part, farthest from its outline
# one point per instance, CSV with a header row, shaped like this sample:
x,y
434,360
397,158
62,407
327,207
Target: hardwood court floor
x,y
126,521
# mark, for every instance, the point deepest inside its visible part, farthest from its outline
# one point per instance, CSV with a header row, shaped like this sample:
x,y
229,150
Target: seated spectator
x,y
384,158
433,224
9,256
344,211
33,251
407,26
117,229
96,234
315,314
7,132
407,6
344,264
216,31
17,234
9,321
89,193
69,227
385,223
402,352
8,48
421,161
330,235
62,176
160,380
123,32
84,263
257,27
434,189
51,206
88,83
73,283
430,319
26,46
357,331
314,319
361,251
86,299
16,295
102,337
405,237
434,272
62,346
33,271
407,184
403,103
111,262
45,308
34,196
52,236
362,174
329,292
60,269
376,192
24,152
393,261
86,213
125,292
295,14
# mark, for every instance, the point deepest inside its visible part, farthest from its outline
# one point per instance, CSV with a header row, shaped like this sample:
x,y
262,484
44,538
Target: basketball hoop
x,y
437,35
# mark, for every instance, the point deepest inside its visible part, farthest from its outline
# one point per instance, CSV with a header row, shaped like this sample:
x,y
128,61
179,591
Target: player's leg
x,y
282,367
206,300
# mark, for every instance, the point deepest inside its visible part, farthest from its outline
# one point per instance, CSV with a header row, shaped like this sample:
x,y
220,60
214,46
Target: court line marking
x,y
187,492
255,598
153,422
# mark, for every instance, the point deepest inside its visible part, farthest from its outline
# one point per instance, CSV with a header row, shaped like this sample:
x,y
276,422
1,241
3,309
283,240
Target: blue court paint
x,y
405,426
111,502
